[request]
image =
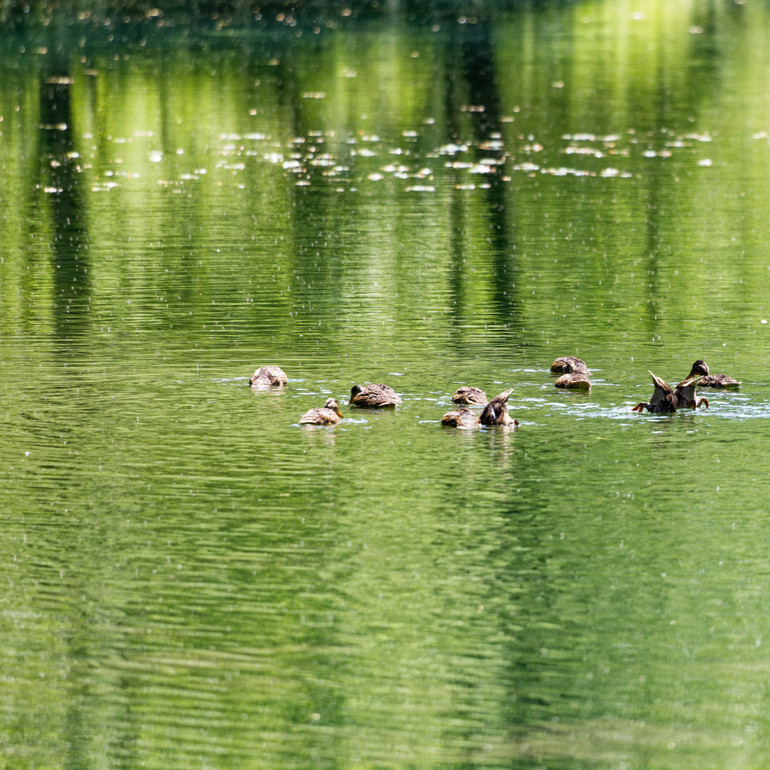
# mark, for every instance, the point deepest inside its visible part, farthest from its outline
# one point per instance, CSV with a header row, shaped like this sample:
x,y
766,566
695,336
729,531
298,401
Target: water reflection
x,y
59,185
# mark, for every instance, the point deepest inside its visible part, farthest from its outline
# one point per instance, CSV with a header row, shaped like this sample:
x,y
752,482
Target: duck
x,y
496,411
570,365
461,418
268,377
685,390
373,395
328,414
470,395
664,400
574,381
719,381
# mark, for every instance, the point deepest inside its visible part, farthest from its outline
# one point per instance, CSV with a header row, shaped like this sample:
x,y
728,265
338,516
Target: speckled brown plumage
x,y
719,381
374,395
467,394
461,418
496,411
328,414
268,377
570,365
573,382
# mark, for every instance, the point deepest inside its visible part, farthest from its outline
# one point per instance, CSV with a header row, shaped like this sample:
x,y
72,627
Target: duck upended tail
x,y
496,411
663,400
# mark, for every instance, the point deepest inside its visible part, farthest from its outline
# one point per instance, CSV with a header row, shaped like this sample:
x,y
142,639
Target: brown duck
x,y
496,411
461,418
719,381
570,365
268,377
685,390
574,373
574,381
376,395
470,395
328,414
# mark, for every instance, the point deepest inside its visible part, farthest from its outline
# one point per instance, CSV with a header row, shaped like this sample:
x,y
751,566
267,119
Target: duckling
x,y
470,395
685,390
496,411
268,377
570,365
461,418
373,396
328,414
719,381
572,380
663,399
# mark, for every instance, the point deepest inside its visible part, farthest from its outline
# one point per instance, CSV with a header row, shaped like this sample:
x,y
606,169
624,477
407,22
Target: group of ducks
x,y
574,375
377,395
367,396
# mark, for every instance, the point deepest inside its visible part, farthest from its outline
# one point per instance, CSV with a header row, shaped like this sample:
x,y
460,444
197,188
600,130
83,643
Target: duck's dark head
x,y
355,390
699,368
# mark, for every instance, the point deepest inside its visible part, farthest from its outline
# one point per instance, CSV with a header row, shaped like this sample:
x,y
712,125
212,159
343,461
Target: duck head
x,y
699,369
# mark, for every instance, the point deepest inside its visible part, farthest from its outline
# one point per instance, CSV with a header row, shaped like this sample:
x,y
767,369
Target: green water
x,y
425,198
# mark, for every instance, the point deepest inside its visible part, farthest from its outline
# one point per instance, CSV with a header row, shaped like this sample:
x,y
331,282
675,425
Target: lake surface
x,y
423,196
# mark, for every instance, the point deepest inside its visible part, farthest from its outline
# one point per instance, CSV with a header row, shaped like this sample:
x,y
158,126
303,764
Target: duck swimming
x,y
718,381
570,365
461,418
574,373
373,396
328,414
470,395
685,390
574,381
268,377
496,411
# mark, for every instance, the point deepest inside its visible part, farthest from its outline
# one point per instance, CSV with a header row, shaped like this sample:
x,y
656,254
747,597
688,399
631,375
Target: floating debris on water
x,y
331,154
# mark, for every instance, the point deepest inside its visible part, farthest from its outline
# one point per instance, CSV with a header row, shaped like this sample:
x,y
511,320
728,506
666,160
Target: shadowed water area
x,y
428,196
